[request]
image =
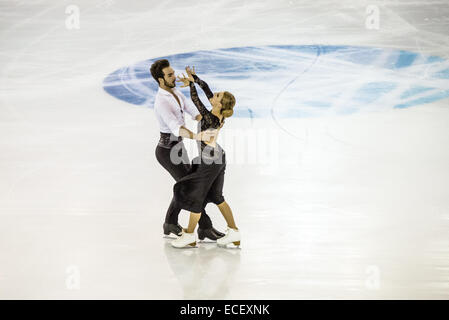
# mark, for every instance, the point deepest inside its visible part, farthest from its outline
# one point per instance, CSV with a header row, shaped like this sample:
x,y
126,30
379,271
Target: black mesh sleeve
x,y
203,86
208,118
196,100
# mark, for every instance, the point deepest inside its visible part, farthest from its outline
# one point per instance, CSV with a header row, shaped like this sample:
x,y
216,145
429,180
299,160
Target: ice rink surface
x,y
338,205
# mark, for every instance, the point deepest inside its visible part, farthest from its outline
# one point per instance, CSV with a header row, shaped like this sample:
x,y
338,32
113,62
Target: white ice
x,y
359,210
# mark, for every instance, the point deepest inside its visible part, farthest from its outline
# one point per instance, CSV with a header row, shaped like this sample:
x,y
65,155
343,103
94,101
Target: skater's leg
x,y
193,221
187,238
227,214
205,222
177,171
172,213
215,195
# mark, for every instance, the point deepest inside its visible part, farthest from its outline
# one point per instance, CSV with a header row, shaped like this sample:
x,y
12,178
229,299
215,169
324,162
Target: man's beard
x,y
170,85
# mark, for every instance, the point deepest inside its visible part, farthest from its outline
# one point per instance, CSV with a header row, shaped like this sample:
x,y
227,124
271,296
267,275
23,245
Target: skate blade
x,y
235,243
187,246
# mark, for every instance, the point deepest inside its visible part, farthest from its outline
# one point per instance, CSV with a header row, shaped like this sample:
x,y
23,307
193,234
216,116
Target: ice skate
x,y
232,236
186,240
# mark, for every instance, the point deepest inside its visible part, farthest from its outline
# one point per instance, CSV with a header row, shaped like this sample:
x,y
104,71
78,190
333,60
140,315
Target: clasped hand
x,y
207,135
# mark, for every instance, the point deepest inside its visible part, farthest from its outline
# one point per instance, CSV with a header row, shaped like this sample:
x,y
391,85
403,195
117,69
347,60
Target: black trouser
x,y
177,171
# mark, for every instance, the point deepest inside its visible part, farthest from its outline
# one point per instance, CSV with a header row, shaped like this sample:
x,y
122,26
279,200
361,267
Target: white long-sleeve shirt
x,y
168,112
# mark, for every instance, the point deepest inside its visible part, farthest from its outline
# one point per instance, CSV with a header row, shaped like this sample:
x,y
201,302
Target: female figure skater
x,y
204,183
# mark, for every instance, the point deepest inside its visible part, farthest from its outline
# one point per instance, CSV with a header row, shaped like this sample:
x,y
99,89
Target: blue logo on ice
x,y
300,81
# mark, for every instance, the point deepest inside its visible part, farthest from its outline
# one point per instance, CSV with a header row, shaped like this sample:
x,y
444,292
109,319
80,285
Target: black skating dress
x,y
205,181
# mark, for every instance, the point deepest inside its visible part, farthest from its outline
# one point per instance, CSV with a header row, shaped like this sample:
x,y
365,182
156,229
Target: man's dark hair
x,y
156,69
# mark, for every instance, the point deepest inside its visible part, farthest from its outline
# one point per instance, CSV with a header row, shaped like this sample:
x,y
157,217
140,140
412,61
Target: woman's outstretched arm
x,y
197,101
203,85
191,73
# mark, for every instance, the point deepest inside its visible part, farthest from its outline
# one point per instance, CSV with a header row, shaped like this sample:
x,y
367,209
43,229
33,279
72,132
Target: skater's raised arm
x,y
207,117
197,101
194,94
203,85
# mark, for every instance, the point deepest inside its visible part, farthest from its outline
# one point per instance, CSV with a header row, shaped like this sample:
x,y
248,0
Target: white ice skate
x,y
232,236
185,240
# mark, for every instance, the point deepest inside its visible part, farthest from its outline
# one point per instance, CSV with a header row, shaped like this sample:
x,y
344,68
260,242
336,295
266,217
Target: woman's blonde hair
x,y
227,104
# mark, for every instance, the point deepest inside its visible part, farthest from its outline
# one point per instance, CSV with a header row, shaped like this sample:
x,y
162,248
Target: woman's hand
x,y
190,73
184,80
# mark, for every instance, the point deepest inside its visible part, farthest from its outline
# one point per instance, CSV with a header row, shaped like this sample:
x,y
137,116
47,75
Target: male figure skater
x,y
169,107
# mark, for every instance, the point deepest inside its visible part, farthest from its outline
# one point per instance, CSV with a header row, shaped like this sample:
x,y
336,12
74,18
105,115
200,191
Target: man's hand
x,y
184,80
198,117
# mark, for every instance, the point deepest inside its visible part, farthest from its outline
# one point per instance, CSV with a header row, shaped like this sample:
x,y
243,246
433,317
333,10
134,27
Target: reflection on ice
x,y
205,272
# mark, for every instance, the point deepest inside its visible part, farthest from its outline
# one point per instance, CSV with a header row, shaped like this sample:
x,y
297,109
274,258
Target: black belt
x,y
168,140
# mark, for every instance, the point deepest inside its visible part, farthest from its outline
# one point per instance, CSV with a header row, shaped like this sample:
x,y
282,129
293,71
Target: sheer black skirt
x,y
203,184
